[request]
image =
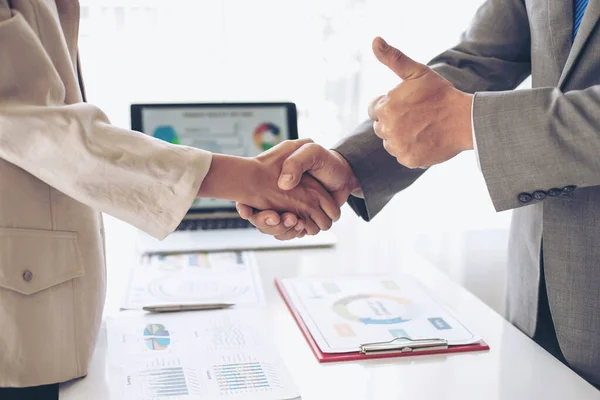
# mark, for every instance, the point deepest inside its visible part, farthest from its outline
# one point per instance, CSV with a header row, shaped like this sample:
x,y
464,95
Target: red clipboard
x,y
357,356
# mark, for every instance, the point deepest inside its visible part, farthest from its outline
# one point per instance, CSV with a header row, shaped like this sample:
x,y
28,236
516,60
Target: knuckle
x,y
410,161
397,55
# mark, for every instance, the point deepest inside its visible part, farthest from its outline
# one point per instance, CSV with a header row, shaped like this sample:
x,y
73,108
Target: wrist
x,y
229,178
352,183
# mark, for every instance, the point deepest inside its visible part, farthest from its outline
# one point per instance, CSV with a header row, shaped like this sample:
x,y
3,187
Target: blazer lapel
x,y
588,24
560,26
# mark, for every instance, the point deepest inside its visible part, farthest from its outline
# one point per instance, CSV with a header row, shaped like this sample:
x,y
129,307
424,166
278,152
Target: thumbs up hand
x,y
424,120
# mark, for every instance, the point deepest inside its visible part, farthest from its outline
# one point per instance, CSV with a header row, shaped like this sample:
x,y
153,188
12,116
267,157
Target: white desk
x,y
514,368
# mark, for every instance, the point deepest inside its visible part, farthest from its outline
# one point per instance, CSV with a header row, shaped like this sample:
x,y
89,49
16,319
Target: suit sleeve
x,y
141,180
537,140
493,54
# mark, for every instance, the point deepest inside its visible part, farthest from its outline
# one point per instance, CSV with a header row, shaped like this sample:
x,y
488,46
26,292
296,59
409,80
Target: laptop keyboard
x,y
217,223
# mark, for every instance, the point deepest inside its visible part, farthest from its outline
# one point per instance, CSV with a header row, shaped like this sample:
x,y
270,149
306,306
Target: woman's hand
x,y
253,181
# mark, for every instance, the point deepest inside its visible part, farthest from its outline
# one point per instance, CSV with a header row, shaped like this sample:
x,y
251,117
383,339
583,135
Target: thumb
x,y
403,66
302,160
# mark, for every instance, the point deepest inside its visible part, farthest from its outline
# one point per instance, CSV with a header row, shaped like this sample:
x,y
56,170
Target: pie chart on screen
x,y
267,135
166,133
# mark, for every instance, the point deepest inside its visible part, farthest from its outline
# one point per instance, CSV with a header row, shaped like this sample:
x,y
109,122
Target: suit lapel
x,y
588,24
560,25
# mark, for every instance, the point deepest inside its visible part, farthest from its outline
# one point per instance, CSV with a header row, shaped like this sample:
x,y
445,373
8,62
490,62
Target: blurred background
x,y
318,55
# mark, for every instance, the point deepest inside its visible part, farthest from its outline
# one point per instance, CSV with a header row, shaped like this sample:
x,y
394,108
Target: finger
x,y
300,226
245,211
387,145
301,234
289,220
374,107
321,219
378,129
265,219
276,230
289,235
398,62
282,229
304,159
329,205
311,227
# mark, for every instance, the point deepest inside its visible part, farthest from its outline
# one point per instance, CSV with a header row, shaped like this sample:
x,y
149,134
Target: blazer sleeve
x,y
493,54
139,179
539,140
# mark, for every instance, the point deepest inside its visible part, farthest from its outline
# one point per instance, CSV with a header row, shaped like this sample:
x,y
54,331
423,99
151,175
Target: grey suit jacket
x,y
539,151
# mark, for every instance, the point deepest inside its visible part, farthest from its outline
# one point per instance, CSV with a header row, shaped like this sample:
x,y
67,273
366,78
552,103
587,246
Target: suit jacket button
x,y
569,189
554,192
525,198
539,195
27,275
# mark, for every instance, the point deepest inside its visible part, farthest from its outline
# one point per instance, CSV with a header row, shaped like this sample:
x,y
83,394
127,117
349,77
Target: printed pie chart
x,y
157,337
376,309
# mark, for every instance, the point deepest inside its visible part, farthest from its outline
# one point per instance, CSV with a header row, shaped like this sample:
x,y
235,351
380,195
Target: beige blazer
x,y
61,164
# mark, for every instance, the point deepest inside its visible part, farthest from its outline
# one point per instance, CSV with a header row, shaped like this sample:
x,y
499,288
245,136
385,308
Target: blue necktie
x,y
578,10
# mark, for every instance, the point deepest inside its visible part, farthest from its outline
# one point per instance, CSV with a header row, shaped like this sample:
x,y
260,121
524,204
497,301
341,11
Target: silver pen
x,y
186,307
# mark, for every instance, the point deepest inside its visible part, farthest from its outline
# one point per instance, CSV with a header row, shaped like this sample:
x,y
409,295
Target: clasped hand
x,y
335,179
422,121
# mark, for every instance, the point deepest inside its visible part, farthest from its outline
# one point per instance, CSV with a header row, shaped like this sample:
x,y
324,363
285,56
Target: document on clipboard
x,y
357,317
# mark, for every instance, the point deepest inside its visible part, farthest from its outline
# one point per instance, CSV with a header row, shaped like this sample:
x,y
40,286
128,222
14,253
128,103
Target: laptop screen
x,y
237,129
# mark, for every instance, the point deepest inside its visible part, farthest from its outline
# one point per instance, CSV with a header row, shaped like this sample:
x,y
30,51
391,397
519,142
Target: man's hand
x,y
327,166
253,181
424,120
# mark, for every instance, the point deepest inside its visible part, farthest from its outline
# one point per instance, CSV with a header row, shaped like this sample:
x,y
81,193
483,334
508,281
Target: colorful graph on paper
x,y
345,312
235,378
169,382
156,337
195,355
194,278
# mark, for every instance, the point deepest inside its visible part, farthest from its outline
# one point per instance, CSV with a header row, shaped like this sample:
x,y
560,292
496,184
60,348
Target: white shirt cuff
x,y
474,138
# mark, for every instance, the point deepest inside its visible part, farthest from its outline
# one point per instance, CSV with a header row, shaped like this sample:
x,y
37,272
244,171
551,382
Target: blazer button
x,y
569,189
539,195
27,275
554,192
525,198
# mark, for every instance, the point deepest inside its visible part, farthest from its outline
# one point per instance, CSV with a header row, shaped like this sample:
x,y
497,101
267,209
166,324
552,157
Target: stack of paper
x,y
195,355
230,277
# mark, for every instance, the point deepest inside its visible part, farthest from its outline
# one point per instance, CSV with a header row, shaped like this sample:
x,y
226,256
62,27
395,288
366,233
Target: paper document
x,y
343,313
229,277
206,355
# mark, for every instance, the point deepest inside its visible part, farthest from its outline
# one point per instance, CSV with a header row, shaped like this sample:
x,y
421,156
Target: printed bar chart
x,y
166,382
237,377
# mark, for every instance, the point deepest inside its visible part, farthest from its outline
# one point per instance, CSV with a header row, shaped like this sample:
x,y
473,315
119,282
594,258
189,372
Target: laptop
x,y
241,129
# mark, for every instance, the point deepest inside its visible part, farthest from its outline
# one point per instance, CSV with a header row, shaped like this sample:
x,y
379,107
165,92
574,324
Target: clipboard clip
x,y
403,345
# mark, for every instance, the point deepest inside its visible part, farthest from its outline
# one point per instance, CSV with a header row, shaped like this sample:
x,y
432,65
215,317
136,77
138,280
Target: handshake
x,y
297,186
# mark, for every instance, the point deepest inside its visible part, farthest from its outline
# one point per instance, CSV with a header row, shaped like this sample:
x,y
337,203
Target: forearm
x,y
131,176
